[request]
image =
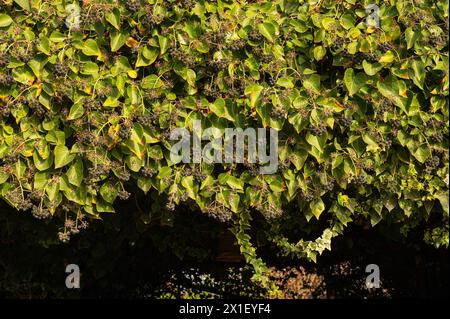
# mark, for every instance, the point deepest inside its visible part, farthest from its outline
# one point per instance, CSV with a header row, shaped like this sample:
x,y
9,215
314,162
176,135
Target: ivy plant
x,y
90,90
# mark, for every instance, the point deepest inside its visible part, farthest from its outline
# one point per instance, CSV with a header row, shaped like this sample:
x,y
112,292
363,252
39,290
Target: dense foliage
x,y
90,91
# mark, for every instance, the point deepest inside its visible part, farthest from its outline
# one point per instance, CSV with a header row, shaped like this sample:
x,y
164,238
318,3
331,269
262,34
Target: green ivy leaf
x,y
24,4
113,17
23,75
443,199
218,107
235,183
163,44
90,68
41,179
229,199
118,39
319,52
268,30
144,184
75,173
76,111
190,77
57,37
422,153
44,46
371,68
348,21
108,192
191,187
411,37
20,169
285,82
62,156
418,73
146,56
317,141
151,82
104,207
42,164
91,48
354,82
312,82
3,177
388,57
254,91
134,163
317,207
5,20
52,191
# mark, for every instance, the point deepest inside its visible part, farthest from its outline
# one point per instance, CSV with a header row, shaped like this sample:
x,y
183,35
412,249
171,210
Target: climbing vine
x,y
90,90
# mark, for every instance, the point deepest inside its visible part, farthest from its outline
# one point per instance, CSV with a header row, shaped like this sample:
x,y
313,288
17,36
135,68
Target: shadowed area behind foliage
x,y
124,257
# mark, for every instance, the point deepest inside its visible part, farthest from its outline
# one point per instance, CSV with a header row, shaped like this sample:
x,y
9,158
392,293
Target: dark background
x,y
122,256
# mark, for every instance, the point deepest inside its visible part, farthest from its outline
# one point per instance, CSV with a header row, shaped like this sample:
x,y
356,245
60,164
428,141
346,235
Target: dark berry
x,y
254,36
338,43
237,45
271,81
64,237
3,60
123,195
124,175
359,179
133,5
6,79
147,172
199,176
145,120
278,113
220,213
318,129
170,205
437,137
36,107
386,46
370,57
124,132
61,69
39,212
344,121
307,197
